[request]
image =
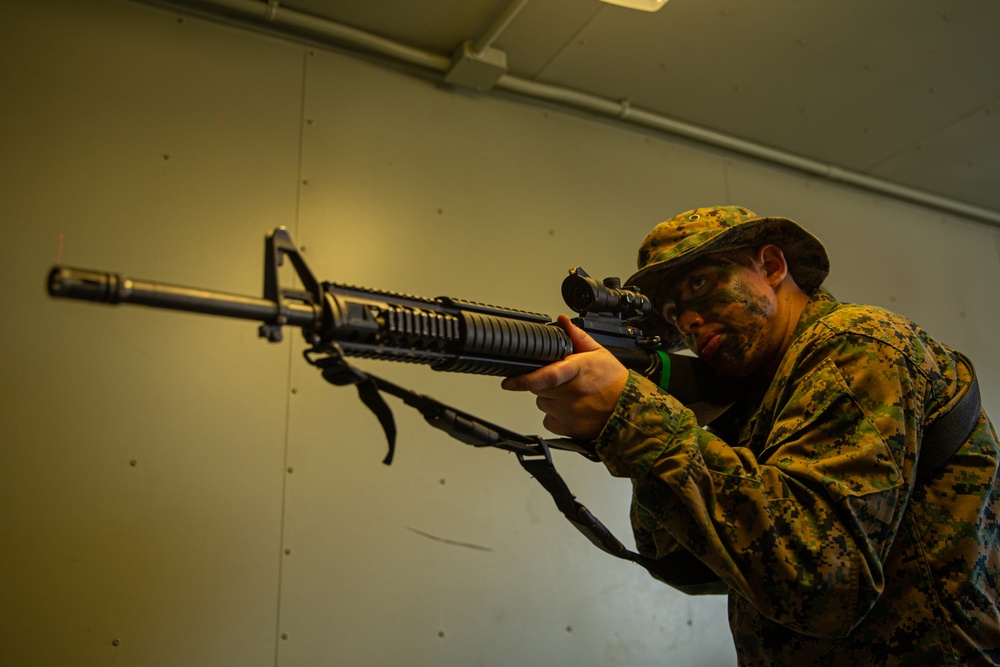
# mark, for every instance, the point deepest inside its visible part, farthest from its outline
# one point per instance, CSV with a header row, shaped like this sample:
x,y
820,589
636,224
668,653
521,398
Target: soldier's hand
x,y
578,393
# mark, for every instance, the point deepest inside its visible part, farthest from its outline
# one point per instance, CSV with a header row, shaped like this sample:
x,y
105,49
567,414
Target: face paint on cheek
x,y
749,321
742,310
755,302
726,296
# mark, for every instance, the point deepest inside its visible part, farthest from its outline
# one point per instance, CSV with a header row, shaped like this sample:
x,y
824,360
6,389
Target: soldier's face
x,y
725,311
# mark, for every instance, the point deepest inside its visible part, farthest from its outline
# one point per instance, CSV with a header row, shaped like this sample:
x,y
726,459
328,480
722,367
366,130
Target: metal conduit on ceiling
x,y
269,14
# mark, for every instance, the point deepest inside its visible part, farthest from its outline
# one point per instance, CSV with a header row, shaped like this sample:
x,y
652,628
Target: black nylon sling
x,y
940,441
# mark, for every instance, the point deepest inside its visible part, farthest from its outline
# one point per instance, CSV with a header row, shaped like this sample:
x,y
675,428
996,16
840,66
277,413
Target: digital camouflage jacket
x,y
811,519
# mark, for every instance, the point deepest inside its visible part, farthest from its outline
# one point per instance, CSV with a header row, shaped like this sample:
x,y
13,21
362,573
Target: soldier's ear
x,y
773,266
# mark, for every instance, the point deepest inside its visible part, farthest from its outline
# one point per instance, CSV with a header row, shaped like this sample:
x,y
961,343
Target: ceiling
x,y
903,92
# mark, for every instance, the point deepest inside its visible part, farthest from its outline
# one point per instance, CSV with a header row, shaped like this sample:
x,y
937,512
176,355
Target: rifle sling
x,y
532,452
336,371
941,440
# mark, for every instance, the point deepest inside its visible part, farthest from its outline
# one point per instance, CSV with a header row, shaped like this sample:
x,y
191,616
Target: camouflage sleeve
x,y
798,520
676,565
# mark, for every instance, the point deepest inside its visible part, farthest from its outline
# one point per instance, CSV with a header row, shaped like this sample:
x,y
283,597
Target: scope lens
x,y
580,297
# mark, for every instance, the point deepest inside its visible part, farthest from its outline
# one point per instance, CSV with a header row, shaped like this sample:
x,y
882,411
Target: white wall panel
x,y
141,466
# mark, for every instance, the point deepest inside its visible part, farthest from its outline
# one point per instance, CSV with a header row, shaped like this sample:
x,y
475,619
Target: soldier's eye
x,y
697,285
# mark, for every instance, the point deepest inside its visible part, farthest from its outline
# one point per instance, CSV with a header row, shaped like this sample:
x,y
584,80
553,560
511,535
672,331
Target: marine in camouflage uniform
x,y
810,514
802,502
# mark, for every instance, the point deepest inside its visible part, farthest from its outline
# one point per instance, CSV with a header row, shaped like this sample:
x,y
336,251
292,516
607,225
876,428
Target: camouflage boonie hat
x,y
696,233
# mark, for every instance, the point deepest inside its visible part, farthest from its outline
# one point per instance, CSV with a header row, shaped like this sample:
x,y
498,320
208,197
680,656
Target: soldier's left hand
x,y
578,393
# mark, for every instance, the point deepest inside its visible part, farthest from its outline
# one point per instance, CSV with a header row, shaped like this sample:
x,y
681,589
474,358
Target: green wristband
x,y
664,369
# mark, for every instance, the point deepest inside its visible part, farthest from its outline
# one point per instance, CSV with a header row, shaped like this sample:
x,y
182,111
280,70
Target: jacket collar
x,y
821,303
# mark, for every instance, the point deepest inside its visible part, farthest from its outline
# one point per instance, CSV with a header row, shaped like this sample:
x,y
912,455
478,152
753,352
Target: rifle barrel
x,y
113,288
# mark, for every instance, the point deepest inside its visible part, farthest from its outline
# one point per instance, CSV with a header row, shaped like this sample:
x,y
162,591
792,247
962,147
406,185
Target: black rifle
x,y
448,335
445,333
